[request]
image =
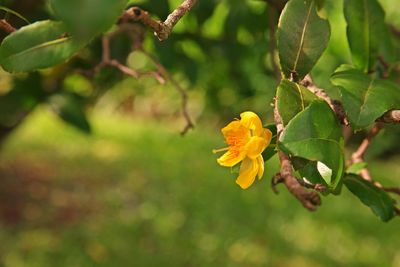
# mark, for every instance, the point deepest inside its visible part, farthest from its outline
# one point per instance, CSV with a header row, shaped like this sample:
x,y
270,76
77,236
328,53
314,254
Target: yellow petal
x,y
231,127
236,134
260,162
231,158
247,173
267,134
255,146
251,121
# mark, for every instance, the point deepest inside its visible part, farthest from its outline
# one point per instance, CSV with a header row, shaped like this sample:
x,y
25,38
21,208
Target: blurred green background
x,y
133,192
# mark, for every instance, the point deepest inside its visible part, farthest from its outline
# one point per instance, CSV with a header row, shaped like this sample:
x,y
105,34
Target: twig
x,y
393,190
310,200
161,75
7,27
164,72
358,155
162,29
391,116
336,106
106,60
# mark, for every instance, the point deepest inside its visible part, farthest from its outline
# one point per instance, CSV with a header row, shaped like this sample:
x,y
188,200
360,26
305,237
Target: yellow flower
x,y
247,139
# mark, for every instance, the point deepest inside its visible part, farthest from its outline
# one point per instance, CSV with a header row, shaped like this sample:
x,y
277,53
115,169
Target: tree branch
x,y
184,96
358,155
162,29
106,60
7,27
391,116
310,200
336,106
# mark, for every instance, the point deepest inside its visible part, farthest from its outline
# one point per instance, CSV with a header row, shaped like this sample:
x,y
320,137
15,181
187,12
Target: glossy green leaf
x,y
302,38
68,108
375,198
356,167
291,99
364,98
365,24
87,18
315,135
39,45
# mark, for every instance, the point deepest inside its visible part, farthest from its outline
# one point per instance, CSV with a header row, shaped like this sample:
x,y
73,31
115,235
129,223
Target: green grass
x,y
135,193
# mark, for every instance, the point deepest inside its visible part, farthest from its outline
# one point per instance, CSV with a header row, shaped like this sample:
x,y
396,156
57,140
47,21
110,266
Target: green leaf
x,y
364,98
375,198
68,108
291,99
365,25
36,46
315,135
356,167
87,18
302,38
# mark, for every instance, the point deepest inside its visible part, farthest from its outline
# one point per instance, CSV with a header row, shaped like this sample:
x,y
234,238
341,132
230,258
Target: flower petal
x,y
260,162
231,158
247,173
251,121
255,146
232,126
267,134
235,134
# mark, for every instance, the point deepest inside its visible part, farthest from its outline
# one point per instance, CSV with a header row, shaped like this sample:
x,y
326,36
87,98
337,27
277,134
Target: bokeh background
x,y
133,192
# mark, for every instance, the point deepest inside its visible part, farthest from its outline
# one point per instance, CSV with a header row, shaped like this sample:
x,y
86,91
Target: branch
x,y
107,61
309,199
391,116
162,29
7,27
335,105
185,112
358,155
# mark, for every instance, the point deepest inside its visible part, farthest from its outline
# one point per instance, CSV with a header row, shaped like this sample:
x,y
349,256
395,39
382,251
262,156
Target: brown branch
x,y
391,116
184,96
393,190
106,60
7,27
336,106
310,200
358,155
162,29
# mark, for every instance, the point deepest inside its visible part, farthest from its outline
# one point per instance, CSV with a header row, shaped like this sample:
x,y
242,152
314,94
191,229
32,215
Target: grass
x,y
135,193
